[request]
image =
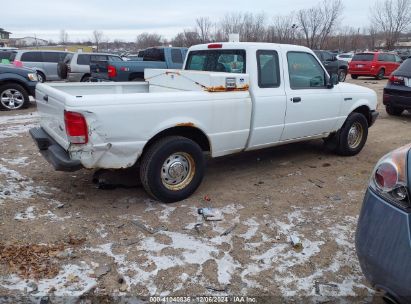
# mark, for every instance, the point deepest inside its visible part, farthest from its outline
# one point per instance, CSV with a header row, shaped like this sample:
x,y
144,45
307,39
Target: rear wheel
x,y
172,169
394,111
41,77
380,74
342,74
351,138
13,97
354,76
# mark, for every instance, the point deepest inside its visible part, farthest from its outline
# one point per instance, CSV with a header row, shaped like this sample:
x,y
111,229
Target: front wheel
x,y
354,76
352,136
172,169
380,74
13,97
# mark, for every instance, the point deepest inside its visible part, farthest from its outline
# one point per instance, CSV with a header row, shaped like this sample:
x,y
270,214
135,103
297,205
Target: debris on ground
x,y
210,214
150,229
296,243
229,230
31,261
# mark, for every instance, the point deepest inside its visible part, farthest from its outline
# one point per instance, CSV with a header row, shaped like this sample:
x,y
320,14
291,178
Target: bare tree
x,y
97,38
283,29
204,28
186,38
146,40
317,23
63,37
391,17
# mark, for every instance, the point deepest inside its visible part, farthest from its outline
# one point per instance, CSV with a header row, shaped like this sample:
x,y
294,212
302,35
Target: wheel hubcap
x,y
177,171
12,99
355,135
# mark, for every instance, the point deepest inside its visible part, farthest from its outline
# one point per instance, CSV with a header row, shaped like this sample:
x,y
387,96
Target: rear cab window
x,y
268,69
221,60
154,54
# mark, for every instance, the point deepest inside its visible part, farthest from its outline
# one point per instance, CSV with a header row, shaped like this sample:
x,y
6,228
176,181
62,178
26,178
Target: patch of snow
x,y
19,161
64,287
28,214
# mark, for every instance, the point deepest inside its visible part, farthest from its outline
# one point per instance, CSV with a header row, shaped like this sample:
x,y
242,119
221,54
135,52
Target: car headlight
x,y
389,178
32,76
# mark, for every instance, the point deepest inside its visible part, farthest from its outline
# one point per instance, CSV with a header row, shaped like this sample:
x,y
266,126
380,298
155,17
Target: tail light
x,y
76,127
111,71
389,178
396,80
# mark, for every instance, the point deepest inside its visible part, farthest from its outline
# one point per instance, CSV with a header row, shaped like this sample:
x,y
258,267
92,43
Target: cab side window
x,y
268,69
305,71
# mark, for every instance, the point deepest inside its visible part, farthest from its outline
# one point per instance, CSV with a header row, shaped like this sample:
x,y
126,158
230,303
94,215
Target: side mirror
x,y
332,81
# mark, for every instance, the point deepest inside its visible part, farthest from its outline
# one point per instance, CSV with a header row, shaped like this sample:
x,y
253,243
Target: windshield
x,y
229,61
363,57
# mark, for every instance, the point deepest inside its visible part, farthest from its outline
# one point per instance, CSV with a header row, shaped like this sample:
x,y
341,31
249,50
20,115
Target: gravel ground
x,y
61,236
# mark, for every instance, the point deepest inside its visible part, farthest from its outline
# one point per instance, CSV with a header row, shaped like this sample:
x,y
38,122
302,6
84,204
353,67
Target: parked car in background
x,y
397,92
383,237
332,64
345,57
152,58
219,104
16,85
374,64
43,62
76,67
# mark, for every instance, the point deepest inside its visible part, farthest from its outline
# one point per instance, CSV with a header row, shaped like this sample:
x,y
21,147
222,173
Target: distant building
x,y
29,41
4,37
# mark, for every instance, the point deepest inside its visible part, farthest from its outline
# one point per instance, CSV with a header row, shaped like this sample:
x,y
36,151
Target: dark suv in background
x,y
332,64
16,84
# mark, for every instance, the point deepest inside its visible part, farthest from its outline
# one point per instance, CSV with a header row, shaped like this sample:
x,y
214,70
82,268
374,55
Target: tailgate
x,y
50,106
99,70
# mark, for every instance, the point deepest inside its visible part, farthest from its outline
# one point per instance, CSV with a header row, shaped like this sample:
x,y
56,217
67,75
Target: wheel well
x,y
136,75
85,75
192,133
15,82
42,73
364,110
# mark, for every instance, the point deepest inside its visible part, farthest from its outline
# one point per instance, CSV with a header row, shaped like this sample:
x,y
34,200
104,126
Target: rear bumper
x,y
383,246
397,98
53,152
363,73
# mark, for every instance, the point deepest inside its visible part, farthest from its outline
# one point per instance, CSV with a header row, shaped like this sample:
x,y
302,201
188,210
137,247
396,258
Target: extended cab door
x,y
269,98
312,108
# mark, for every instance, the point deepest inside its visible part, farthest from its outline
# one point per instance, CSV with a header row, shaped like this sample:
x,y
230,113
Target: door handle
x,y
46,98
296,99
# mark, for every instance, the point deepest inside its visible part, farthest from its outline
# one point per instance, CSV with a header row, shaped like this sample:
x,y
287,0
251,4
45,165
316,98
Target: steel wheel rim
x,y
355,135
177,171
12,99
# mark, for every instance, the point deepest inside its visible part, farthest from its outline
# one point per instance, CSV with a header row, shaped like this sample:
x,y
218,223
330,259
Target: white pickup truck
x,y
230,97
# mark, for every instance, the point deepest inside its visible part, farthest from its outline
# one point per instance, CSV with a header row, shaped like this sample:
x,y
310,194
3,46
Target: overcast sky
x,y
122,19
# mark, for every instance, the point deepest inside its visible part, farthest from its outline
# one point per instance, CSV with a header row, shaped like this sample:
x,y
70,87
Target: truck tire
x,y
393,111
354,76
13,97
172,169
352,136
